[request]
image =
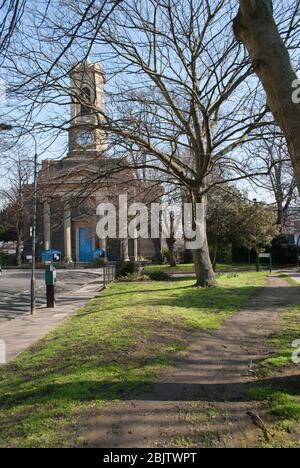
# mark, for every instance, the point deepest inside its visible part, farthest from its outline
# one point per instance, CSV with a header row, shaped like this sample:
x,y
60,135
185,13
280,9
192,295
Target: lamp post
x,y
298,258
34,221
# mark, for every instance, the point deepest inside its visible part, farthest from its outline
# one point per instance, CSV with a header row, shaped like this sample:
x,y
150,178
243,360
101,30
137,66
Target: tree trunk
x,y
171,242
205,274
172,260
256,28
18,247
171,257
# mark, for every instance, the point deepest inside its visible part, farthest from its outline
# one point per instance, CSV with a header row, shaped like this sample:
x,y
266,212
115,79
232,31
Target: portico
x,y
84,237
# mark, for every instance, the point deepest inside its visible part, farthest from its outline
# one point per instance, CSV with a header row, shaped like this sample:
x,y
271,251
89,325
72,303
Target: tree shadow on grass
x,y
220,299
88,391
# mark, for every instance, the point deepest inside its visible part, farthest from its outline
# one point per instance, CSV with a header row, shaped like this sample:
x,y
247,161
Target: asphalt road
x,y
15,289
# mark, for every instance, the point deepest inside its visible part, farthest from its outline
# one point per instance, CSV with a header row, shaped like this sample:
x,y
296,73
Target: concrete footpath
x,y
292,273
20,333
295,276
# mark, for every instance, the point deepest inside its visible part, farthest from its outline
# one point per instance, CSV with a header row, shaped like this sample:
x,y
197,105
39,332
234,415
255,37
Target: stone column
x,y
47,226
77,243
103,244
125,250
136,249
68,232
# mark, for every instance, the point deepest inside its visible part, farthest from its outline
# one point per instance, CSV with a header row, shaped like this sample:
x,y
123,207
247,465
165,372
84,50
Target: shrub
x,y
133,278
159,276
187,256
7,260
126,268
101,262
232,275
284,250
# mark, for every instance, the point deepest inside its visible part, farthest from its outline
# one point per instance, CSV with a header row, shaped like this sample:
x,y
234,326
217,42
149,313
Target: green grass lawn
x,y
110,349
189,268
284,404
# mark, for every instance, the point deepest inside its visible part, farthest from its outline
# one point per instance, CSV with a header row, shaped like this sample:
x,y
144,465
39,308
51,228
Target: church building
x,y
70,189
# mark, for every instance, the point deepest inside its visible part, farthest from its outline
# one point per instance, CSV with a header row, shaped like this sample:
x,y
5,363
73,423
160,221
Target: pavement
x,y
293,273
18,329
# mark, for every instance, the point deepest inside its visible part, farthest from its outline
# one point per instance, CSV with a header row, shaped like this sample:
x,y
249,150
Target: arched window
x,y
86,100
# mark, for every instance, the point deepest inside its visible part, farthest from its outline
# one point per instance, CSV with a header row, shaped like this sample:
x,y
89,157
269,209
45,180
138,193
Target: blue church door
x,y
85,245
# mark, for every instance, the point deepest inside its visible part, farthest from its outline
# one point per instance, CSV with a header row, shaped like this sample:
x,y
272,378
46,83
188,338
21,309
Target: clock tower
x,y
86,140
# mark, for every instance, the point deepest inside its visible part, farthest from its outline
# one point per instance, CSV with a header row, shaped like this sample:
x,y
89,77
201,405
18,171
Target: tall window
x,y
86,100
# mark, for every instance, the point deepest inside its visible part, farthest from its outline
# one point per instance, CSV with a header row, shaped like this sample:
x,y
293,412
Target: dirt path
x,y
202,401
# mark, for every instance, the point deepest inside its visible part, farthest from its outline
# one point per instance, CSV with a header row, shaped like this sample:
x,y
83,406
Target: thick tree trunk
x,y
256,28
205,274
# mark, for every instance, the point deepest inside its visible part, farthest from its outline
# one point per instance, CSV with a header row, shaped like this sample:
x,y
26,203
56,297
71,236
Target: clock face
x,y
85,138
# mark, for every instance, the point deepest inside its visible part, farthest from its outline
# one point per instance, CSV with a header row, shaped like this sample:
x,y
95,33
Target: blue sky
x,y
56,147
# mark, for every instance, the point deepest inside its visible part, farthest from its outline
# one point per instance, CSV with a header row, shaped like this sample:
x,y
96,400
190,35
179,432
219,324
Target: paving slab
x,y
23,331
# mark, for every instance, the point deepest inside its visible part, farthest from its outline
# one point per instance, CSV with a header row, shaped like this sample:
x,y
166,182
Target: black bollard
x,y
50,279
50,297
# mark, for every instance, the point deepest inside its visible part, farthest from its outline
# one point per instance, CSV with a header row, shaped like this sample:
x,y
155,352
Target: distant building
x,y
293,225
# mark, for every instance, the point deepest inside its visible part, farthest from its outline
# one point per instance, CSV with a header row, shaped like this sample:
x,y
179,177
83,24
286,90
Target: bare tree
x,y
11,15
255,26
180,89
279,184
15,196
177,81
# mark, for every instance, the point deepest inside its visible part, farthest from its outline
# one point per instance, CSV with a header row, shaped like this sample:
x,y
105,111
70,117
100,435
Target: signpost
x,y
264,256
298,255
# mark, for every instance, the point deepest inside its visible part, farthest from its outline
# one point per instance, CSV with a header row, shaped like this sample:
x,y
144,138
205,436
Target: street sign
x,y
264,255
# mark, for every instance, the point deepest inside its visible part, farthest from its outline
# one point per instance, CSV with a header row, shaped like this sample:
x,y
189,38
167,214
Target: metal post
x,y
104,276
298,259
50,296
34,219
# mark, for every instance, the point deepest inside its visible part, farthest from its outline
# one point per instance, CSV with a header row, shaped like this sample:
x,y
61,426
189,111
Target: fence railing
x,y
109,274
